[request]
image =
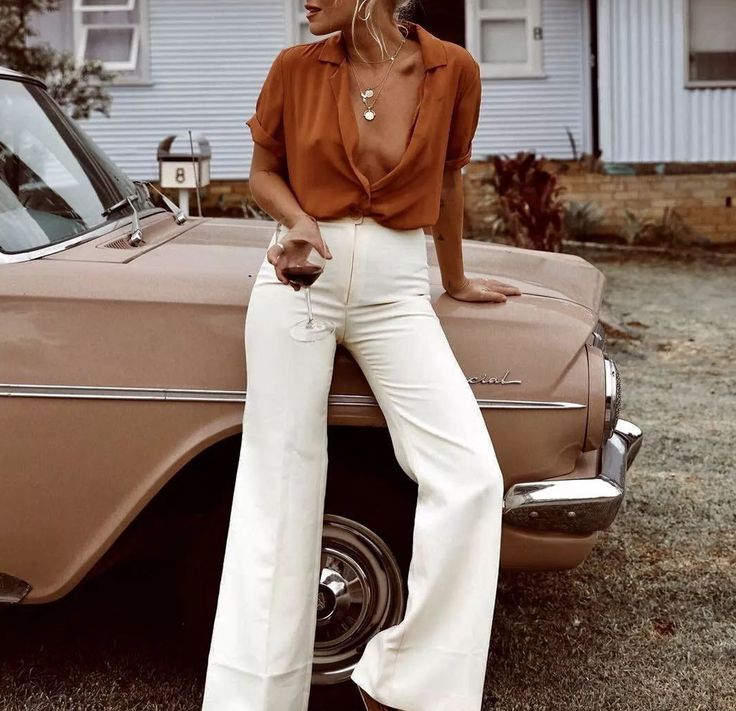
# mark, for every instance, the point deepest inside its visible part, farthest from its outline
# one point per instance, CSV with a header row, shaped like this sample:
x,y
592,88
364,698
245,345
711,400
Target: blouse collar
x,y
433,49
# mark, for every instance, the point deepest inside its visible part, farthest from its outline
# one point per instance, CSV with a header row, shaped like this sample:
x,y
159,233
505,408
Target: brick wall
x,y
702,199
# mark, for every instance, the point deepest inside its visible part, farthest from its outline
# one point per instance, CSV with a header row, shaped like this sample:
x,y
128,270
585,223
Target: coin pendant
x,y
369,115
367,94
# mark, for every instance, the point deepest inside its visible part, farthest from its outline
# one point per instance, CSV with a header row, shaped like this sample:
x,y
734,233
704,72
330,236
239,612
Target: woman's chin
x,y
317,26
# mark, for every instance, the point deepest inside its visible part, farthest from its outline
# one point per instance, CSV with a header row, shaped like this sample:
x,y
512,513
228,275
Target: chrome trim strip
x,y
583,505
118,393
74,241
184,394
529,404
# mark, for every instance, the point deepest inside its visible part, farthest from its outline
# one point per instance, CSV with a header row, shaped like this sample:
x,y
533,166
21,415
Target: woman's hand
x,y
482,289
297,243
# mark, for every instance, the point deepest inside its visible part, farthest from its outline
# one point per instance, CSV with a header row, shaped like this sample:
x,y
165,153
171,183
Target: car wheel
x,y
361,592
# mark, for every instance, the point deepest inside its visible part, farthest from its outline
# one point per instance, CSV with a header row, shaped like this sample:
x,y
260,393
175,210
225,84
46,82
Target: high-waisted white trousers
x,y
375,290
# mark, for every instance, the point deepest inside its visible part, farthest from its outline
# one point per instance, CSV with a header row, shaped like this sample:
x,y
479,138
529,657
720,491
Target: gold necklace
x,y
391,58
369,114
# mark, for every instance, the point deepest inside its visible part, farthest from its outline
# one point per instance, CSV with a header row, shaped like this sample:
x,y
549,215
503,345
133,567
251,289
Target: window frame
x,y
532,68
125,6
138,63
697,83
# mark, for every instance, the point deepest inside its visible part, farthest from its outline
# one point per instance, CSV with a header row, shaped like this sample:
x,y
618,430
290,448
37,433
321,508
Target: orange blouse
x,y
304,113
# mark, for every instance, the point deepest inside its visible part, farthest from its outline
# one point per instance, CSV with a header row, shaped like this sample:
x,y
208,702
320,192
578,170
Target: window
x,y
116,33
710,39
299,24
505,37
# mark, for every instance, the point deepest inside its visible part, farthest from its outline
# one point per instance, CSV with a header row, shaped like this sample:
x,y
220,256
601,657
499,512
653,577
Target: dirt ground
x,y
647,623
649,620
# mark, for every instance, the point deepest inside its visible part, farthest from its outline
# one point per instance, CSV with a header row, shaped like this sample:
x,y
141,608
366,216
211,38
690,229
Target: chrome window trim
x,y
194,395
95,232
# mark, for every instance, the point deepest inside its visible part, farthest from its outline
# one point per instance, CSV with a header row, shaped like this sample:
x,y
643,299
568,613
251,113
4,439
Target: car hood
x,y
223,247
214,262
221,243
561,294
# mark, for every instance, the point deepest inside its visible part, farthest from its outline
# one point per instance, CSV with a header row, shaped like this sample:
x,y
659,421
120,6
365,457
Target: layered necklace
x,y
369,92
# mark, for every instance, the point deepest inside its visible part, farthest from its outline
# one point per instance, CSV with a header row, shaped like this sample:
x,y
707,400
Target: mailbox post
x,y
179,167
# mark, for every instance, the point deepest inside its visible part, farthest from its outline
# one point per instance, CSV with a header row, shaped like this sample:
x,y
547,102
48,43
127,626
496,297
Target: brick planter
x,y
705,200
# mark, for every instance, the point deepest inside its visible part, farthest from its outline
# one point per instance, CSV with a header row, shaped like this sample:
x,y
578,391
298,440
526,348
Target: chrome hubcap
x,y
361,592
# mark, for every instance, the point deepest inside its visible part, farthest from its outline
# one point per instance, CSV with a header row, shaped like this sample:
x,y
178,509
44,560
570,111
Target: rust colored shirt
x,y
305,115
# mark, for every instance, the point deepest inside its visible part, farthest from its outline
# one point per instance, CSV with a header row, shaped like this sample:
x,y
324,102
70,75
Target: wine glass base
x,y
318,330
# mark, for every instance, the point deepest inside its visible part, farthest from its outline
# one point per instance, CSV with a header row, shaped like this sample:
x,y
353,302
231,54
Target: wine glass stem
x,y
309,308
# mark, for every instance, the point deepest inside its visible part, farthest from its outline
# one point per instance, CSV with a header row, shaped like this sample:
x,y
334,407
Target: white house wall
x,y
646,113
208,61
534,114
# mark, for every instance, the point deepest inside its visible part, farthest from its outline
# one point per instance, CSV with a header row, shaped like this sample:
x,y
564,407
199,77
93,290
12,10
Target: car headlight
x,y
613,397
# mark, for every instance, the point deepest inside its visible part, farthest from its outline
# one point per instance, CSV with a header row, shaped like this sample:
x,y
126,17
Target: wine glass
x,y
305,272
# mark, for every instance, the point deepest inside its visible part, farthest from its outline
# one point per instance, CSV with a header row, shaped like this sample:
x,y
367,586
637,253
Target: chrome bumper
x,y
577,505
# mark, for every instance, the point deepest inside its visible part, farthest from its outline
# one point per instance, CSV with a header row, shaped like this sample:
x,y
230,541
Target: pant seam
x,y
353,247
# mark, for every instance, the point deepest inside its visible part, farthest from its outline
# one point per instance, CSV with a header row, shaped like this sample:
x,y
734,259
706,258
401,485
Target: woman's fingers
x,y
323,248
273,253
502,287
490,295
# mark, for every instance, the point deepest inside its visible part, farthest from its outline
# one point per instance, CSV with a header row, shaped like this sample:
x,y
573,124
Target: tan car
x,y
123,386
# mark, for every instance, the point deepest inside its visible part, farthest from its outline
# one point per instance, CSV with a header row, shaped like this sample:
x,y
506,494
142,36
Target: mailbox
x,y
178,159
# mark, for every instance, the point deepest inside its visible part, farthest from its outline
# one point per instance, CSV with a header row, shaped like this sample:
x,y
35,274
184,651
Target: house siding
x,y
535,113
646,113
208,61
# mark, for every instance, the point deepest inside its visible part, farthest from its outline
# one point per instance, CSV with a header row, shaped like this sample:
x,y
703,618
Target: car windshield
x,y
55,182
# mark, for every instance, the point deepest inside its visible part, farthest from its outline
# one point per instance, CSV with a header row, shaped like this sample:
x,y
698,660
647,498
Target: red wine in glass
x,y
304,274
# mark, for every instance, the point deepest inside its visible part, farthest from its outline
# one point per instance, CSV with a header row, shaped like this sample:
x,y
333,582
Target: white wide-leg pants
x,y
376,291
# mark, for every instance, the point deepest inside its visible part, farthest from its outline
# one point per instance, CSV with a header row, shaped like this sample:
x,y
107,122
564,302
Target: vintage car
x,y
122,391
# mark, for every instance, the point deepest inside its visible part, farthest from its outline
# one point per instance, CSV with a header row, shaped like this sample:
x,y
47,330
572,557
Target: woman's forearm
x,y
274,196
448,231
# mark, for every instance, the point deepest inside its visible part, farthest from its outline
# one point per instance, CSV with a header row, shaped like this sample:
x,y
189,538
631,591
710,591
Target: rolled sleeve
x,y
267,123
465,117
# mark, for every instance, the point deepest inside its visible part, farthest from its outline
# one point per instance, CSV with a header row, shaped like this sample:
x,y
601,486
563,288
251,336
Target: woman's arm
x,y
447,235
270,189
448,231
272,193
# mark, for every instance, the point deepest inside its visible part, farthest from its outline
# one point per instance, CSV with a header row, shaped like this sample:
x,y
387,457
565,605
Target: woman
x,y
359,141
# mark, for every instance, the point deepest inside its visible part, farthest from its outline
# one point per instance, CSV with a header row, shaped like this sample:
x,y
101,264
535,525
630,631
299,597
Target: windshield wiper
x,y
179,214
114,208
136,236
